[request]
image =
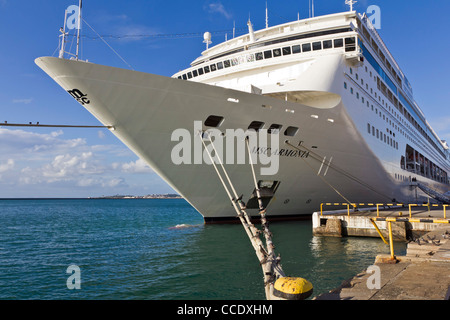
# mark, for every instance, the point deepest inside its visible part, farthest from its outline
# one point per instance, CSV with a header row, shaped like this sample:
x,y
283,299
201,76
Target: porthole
x,y
286,51
338,43
274,128
256,125
317,45
267,54
213,121
290,131
276,52
306,47
327,44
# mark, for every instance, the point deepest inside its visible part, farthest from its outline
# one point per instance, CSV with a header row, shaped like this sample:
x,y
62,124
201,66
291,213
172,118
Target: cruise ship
x,y
326,92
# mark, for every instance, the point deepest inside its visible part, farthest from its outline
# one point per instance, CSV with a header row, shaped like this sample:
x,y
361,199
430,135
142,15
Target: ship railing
x,y
383,206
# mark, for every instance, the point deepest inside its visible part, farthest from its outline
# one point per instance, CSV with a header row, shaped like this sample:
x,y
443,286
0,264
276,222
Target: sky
x,y
41,162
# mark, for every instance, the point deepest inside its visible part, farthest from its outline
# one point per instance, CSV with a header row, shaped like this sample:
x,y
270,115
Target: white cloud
x,y
101,134
218,7
67,167
24,101
114,182
442,127
49,165
9,165
20,142
138,166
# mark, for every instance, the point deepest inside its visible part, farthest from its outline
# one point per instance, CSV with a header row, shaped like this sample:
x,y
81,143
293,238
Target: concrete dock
x,y
422,274
407,222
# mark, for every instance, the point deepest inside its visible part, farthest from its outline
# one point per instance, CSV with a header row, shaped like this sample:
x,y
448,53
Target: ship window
x,y
200,71
345,85
338,43
259,56
195,73
274,128
220,65
213,67
291,131
184,77
256,125
286,51
296,49
327,44
276,52
213,121
179,77
306,47
267,54
317,45
207,69
350,44
368,127
227,63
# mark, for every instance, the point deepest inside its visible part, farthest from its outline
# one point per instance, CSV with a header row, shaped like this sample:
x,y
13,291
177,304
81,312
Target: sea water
x,y
156,249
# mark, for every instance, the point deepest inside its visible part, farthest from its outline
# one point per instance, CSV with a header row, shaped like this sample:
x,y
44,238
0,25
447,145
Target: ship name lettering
x,y
281,152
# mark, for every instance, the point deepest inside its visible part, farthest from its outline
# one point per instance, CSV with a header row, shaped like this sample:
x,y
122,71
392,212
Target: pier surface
x,y
422,274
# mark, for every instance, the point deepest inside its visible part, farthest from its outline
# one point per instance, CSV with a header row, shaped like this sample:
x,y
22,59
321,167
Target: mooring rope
x,y
317,157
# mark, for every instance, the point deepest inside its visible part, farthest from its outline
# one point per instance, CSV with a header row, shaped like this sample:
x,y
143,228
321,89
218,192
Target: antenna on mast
x,y
79,27
63,37
267,17
350,3
311,8
250,31
207,39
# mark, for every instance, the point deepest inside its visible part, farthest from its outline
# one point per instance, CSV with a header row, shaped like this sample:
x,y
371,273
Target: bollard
x,y
391,241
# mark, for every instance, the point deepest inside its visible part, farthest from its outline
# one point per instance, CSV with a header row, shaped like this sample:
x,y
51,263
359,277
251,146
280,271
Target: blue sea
x,y
156,249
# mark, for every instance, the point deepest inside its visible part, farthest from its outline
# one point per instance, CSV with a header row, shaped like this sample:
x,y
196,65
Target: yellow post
x,y
378,209
321,209
445,215
379,232
410,214
348,209
391,242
